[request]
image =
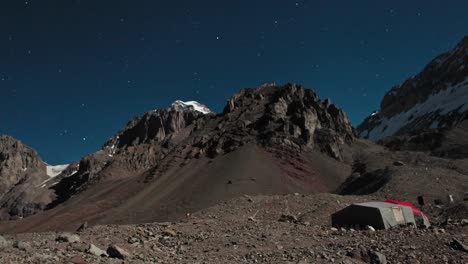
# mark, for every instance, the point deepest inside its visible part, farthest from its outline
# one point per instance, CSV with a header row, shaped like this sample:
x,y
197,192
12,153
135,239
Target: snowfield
x,y
452,99
54,171
192,105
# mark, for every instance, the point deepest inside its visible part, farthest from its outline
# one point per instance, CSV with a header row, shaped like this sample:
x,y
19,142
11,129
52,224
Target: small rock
x,y
80,247
3,242
370,228
82,227
25,246
399,163
115,251
133,240
288,218
377,258
169,232
96,251
334,229
70,238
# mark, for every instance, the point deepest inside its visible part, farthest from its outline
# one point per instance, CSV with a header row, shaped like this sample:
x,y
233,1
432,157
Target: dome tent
x,y
379,215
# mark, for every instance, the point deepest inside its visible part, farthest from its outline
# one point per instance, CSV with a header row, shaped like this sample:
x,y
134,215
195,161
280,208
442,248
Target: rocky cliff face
x,y
437,98
289,117
21,173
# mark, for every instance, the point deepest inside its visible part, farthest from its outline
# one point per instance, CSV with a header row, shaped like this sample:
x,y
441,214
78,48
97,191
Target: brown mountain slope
x,y
186,188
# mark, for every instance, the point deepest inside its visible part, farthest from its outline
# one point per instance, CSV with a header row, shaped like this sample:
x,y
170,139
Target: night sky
x,y
73,72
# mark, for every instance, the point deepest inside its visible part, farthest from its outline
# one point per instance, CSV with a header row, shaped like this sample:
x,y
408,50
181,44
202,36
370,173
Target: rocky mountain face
x,y
21,173
276,124
289,117
434,101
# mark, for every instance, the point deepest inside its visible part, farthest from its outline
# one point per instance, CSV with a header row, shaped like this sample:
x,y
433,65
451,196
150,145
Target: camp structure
x,y
379,215
421,219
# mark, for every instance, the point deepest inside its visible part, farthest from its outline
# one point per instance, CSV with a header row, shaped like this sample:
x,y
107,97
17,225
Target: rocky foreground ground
x,y
279,229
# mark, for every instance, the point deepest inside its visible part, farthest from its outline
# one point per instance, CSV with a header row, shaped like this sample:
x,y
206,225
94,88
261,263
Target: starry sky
x,y
73,72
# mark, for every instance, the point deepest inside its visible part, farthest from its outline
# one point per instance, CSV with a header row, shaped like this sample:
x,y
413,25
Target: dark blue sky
x,y
73,72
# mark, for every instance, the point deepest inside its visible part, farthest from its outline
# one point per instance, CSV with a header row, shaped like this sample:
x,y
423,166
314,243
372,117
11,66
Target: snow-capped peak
x,y
54,171
190,106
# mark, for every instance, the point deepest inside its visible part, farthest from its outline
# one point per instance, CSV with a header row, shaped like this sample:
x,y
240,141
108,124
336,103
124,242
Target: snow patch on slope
x,y
54,171
440,104
191,106
44,183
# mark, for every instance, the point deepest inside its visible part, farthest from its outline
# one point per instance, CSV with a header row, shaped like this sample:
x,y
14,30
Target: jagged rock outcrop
x,y
289,117
436,99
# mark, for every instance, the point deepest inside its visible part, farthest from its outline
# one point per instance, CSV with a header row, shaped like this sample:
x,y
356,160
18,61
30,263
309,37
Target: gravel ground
x,y
245,230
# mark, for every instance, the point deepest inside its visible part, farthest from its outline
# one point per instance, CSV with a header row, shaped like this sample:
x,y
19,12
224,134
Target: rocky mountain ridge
x,y
436,98
284,120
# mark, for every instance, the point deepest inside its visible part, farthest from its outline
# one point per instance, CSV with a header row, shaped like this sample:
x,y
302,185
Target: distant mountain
x,y
434,100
